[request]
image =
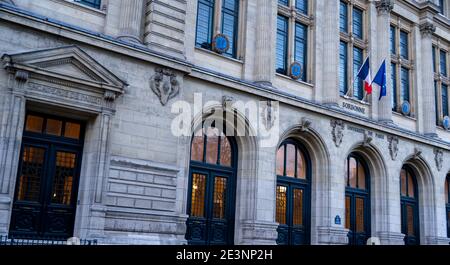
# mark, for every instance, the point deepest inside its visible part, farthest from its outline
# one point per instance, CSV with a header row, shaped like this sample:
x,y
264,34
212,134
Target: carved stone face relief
x,y
438,158
393,146
337,131
164,84
268,111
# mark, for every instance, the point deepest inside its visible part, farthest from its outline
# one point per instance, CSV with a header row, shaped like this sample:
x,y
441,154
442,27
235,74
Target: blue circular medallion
x,y
296,70
406,108
221,43
446,122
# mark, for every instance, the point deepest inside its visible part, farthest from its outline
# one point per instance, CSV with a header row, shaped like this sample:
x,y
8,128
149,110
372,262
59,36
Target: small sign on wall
x,y
337,220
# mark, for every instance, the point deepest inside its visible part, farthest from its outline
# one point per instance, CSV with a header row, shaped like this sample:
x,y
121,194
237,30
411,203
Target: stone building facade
x,y
98,66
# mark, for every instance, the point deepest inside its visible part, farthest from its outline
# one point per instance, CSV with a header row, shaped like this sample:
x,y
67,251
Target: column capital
x,y
384,6
427,28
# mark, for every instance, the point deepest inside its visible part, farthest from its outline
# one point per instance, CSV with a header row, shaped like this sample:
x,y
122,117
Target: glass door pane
x,y
281,210
31,174
220,197
198,195
297,204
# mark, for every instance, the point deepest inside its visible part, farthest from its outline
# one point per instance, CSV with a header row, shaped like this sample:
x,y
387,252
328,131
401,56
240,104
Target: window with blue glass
x,y
404,84
442,83
358,23
401,63
358,91
292,39
343,17
230,17
441,6
205,16
91,3
352,48
282,44
404,44
228,14
343,76
443,62
394,87
302,6
283,2
392,40
300,50
444,100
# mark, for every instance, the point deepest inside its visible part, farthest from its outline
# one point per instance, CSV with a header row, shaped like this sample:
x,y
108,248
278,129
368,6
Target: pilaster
x,y
130,23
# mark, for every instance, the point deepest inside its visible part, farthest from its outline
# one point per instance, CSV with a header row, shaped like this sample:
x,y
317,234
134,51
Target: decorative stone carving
x,y
337,131
164,84
21,76
268,119
305,124
393,146
367,140
438,158
227,101
427,29
417,153
384,6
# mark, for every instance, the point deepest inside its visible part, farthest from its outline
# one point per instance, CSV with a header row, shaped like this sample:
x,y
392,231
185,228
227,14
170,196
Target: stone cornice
x,y
108,43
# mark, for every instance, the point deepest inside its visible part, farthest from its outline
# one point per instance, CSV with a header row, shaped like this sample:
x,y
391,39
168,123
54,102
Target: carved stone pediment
x,y
64,72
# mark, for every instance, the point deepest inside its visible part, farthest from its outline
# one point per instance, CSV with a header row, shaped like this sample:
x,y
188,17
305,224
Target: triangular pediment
x,y
69,62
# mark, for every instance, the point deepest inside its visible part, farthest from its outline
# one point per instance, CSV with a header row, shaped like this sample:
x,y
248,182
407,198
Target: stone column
x,y
330,55
130,20
427,86
11,128
265,42
384,8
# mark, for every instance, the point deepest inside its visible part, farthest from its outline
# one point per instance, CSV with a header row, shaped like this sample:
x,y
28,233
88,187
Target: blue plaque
x,y
296,70
446,122
406,108
337,220
221,43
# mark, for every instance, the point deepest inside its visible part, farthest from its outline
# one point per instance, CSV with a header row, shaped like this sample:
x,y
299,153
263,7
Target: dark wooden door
x,y
47,180
293,213
410,221
357,217
211,208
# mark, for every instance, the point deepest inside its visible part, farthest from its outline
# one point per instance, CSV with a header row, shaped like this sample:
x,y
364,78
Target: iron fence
x,y
6,241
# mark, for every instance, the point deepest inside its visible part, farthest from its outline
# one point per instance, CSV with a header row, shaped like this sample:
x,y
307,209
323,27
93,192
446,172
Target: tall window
x,y
409,206
91,3
401,65
213,19
352,50
293,194
293,20
441,7
357,200
441,81
211,192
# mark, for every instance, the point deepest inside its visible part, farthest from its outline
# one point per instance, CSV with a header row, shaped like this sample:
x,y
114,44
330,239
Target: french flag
x,y
366,76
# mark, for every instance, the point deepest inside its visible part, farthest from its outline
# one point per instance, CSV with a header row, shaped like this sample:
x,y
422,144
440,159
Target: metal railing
x,y
5,241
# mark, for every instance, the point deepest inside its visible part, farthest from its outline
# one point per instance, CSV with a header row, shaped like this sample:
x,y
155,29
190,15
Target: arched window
x,y
211,188
409,206
357,200
293,203
447,202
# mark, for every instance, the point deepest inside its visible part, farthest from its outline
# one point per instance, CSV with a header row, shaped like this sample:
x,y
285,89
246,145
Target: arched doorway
x,y
447,202
212,188
293,203
409,206
357,200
